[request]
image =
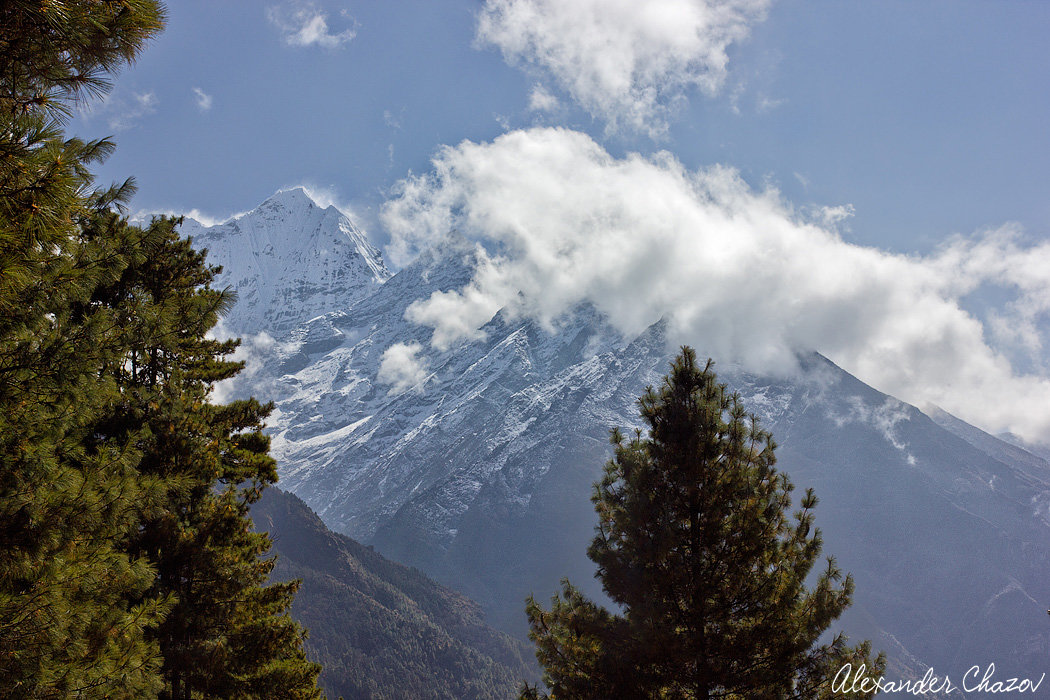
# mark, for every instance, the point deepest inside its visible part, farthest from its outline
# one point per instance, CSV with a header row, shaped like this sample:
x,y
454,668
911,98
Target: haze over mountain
x,y
475,463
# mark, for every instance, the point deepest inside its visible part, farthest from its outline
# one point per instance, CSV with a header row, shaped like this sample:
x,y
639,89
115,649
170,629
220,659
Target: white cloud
x,y
144,103
734,97
143,216
541,100
738,273
402,369
200,217
883,418
307,25
768,104
324,196
203,99
253,351
624,61
833,216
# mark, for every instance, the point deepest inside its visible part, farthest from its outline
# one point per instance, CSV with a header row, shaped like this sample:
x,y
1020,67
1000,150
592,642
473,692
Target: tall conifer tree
x,y
696,543
228,634
67,503
127,565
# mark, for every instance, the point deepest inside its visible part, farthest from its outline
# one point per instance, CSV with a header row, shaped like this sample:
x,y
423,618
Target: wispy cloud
x,y
306,24
327,196
324,196
541,99
143,216
883,417
765,103
392,120
122,110
624,61
736,272
203,99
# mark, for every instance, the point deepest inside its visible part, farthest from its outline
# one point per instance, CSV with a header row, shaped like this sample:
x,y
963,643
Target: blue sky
x,y
873,174
928,117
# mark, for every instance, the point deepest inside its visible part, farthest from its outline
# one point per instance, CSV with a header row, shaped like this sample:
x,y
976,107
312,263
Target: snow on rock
x,y
289,260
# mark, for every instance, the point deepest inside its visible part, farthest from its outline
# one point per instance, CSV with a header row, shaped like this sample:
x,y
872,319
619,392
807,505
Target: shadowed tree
x,y
697,545
227,634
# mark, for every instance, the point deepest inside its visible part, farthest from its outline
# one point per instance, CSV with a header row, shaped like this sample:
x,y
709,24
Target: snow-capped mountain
x,y
480,472
289,260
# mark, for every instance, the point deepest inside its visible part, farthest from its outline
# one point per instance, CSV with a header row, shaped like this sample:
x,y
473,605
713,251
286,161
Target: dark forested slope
x,y
382,630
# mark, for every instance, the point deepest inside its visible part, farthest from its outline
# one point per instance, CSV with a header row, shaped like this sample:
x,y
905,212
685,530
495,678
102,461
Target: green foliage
x,y
72,617
695,542
227,634
127,564
54,51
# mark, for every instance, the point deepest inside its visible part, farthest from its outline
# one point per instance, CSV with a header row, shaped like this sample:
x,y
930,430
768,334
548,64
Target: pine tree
x,y
227,634
54,52
696,544
127,565
68,504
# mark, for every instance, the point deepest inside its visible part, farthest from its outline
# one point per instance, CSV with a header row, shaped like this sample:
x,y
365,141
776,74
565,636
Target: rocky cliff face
x,y
479,470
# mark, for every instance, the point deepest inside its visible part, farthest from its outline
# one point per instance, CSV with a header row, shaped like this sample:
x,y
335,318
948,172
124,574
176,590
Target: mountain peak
x,y
291,198
290,260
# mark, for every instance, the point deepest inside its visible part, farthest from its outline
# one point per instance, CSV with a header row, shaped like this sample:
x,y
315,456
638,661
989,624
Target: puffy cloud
x,y
307,25
203,99
402,368
736,272
624,61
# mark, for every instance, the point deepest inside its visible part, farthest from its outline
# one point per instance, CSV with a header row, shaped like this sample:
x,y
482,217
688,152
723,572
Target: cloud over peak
x,y
736,272
624,61
402,369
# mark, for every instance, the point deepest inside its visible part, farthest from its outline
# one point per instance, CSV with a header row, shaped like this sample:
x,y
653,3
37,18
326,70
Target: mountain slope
x,y
382,630
481,474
